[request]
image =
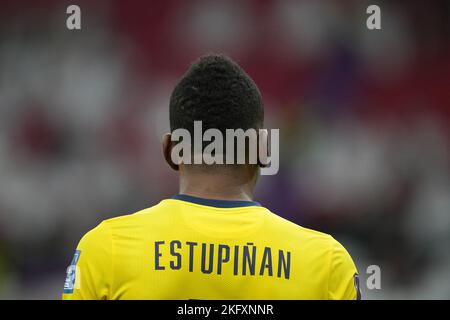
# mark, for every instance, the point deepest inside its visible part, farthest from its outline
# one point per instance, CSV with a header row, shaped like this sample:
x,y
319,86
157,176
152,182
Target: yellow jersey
x,y
194,248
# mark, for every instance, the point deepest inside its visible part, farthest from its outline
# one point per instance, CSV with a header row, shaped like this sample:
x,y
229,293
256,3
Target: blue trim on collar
x,y
216,203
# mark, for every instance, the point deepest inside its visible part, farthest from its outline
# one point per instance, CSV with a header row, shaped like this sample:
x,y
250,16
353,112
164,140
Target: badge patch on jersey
x,y
357,287
69,284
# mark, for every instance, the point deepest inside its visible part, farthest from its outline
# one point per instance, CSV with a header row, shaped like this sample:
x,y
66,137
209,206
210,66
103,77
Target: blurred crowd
x,y
363,116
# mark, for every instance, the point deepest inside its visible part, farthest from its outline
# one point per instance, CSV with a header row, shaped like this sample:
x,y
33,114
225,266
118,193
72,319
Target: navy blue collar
x,y
216,203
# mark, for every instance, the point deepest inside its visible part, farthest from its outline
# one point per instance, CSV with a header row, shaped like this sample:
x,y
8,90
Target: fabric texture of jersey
x,y
194,248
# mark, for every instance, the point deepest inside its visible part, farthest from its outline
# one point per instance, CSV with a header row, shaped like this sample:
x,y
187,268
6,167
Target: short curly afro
x,y
216,91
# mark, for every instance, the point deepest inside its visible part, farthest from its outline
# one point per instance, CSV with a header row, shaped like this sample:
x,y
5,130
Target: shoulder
x,y
294,231
128,223
96,236
320,243
318,247
131,217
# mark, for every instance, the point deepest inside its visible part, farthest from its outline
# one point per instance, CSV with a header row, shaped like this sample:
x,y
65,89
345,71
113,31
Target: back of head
x,y
217,92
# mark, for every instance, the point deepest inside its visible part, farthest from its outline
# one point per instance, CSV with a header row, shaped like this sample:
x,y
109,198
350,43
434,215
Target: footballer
x,y
211,240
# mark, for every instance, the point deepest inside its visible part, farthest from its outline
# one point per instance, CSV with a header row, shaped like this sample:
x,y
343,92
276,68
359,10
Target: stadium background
x,y
363,118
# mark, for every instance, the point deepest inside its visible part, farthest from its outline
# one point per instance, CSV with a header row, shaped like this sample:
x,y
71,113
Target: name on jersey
x,y
212,258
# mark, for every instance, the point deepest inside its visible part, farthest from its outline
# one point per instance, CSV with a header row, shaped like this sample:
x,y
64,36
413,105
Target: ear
x,y
167,151
263,148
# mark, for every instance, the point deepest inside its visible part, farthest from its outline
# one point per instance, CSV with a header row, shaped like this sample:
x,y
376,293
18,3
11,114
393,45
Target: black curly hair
x,y
216,91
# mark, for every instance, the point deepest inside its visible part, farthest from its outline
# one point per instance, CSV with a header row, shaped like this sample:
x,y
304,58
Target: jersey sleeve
x,y
343,280
89,275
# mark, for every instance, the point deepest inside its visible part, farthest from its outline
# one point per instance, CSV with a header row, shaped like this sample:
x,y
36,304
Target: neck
x,y
218,185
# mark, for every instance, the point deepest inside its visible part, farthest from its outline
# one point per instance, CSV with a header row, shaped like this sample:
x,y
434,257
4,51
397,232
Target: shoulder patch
x,y
69,284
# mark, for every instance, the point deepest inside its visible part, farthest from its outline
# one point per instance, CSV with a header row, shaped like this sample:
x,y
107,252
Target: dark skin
x,y
221,182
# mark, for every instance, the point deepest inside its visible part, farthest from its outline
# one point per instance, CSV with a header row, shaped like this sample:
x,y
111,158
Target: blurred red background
x,y
363,118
